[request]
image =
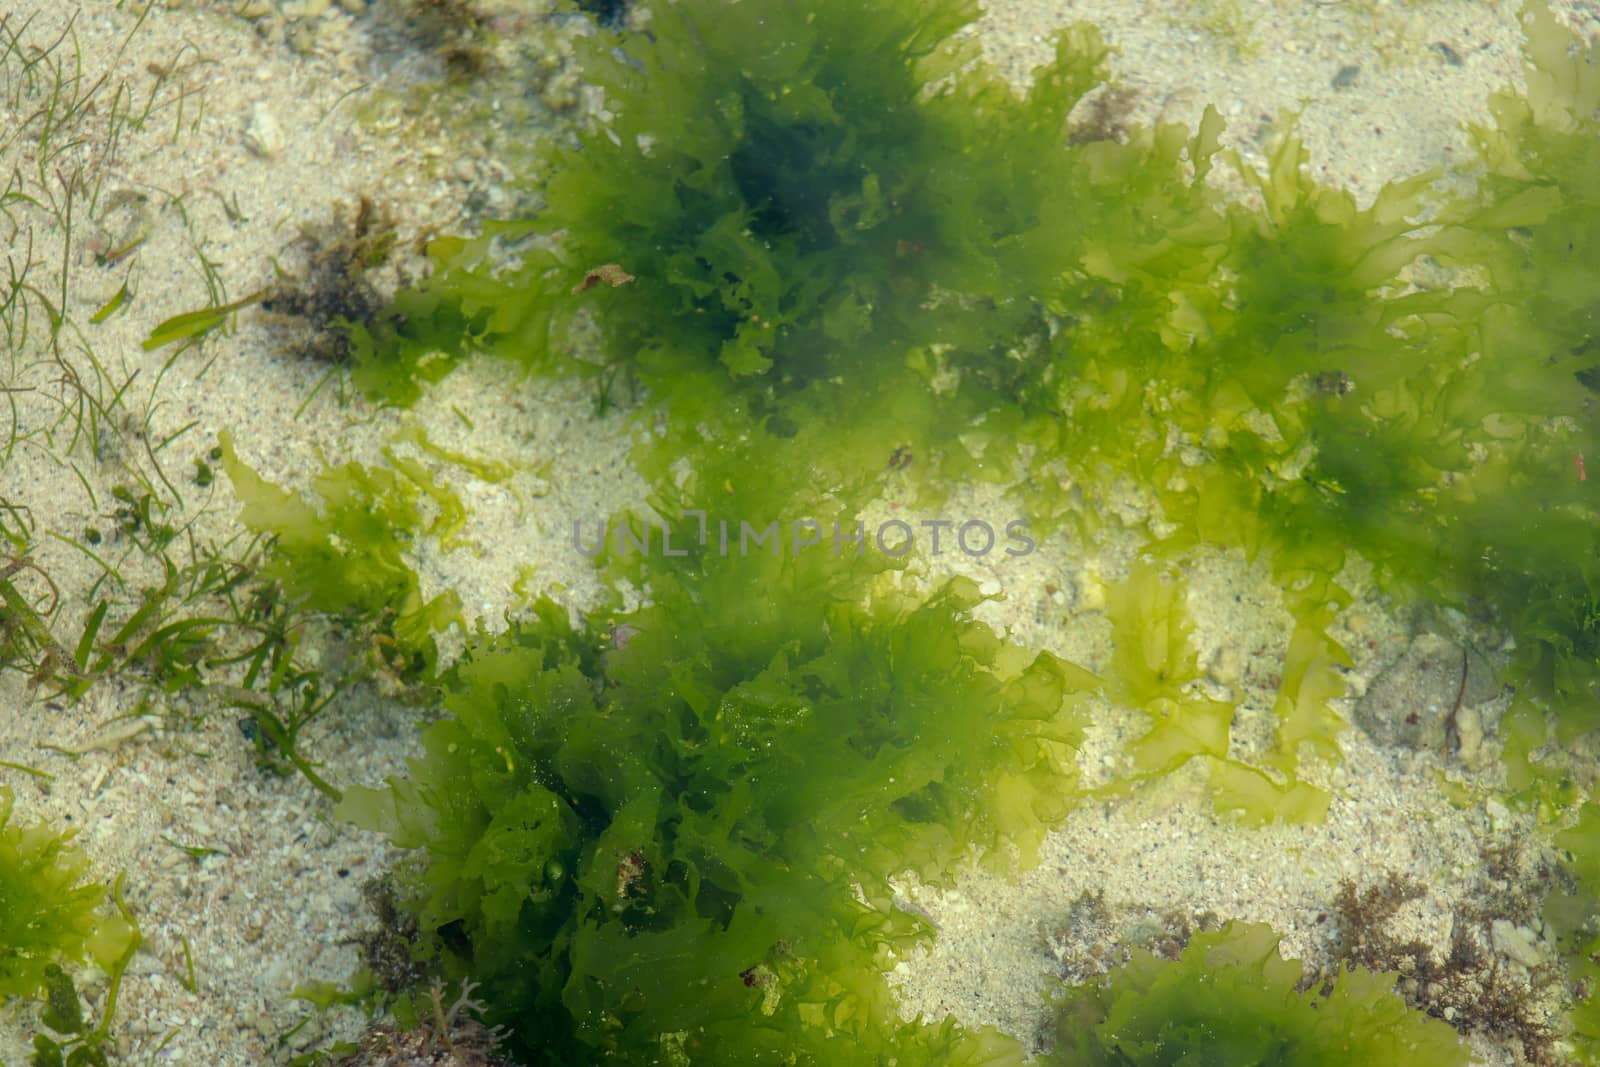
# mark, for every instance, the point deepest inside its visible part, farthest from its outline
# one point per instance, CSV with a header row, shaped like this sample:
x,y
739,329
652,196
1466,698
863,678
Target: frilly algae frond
x,y
1232,1000
824,245
49,913
682,837
347,559
1154,667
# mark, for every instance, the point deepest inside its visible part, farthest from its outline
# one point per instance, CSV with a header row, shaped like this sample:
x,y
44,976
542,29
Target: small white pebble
x,y
263,136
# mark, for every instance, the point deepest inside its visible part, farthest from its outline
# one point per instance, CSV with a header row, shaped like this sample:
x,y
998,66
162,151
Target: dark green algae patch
x,y
822,238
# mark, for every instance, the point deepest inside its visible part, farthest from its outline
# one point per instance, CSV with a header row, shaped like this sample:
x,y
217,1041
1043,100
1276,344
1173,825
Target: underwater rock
x,y
1412,702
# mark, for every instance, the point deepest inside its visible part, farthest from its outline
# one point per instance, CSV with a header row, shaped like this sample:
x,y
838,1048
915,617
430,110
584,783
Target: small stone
x,y
1498,814
303,37
1515,942
1411,703
263,136
1359,621
1469,735
1226,666
1092,591
276,977
144,963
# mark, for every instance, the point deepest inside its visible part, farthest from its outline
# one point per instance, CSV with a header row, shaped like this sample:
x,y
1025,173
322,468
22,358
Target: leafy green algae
x,y
347,559
1154,667
49,913
798,196
1232,1001
761,198
1537,230
799,238
681,839
822,243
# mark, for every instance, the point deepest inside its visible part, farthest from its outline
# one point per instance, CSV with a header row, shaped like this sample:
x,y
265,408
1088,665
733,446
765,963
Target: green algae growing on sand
x,y
796,216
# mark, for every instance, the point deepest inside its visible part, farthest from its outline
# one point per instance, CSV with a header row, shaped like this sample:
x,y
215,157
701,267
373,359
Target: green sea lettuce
x,y
833,252
348,557
49,912
1155,668
1231,1000
1572,916
676,831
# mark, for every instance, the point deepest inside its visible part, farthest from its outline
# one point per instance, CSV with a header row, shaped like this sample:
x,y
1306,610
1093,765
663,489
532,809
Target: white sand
x,y
261,114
